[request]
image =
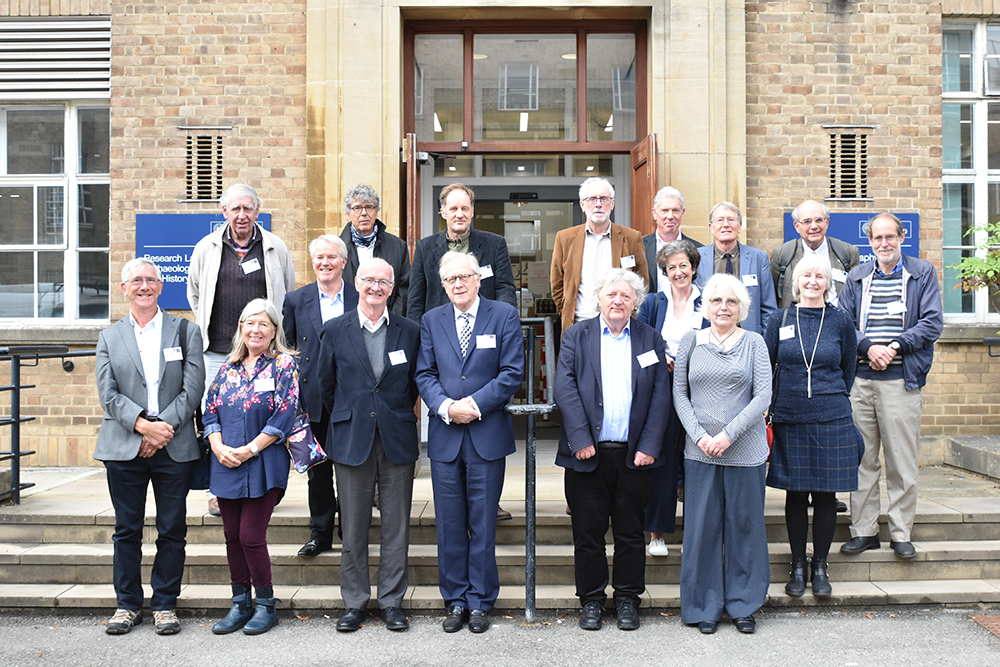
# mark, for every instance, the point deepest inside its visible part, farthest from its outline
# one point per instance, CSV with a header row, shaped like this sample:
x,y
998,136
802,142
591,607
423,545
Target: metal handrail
x,y
531,410
18,355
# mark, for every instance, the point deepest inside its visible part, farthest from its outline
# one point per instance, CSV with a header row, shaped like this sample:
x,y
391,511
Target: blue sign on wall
x,y
168,239
847,227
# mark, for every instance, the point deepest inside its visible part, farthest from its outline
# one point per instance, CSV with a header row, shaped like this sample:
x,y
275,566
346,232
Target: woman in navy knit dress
x,y
817,449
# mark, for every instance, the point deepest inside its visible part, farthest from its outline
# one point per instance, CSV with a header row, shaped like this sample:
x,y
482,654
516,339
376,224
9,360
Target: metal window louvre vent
x,y
55,58
203,175
849,162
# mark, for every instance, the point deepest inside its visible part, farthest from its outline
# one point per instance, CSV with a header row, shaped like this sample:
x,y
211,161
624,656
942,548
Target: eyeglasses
x,y
731,302
371,282
136,282
367,208
891,238
590,201
810,221
462,278
728,221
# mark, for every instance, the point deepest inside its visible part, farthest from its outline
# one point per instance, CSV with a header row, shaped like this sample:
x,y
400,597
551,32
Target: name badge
x,y
486,271
896,308
839,275
397,357
784,333
628,262
261,385
250,267
172,354
647,359
750,279
486,341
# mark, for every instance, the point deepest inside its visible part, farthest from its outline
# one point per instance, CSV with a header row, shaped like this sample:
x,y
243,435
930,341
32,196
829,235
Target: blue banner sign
x,y
168,239
847,227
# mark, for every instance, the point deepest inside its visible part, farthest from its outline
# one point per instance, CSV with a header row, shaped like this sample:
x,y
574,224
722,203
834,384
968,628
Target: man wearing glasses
x,y
582,254
811,220
366,238
896,305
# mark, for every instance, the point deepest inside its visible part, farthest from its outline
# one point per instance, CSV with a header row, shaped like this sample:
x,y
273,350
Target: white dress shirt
x,y
596,261
473,312
148,338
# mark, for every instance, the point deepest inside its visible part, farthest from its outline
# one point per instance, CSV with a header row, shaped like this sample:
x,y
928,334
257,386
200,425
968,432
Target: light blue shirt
x,y
616,382
331,306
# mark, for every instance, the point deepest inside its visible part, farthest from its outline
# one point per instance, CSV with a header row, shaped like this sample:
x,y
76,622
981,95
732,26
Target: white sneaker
x,y
658,547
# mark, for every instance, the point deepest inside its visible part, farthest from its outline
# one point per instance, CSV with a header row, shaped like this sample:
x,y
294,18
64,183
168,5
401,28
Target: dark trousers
x,y
617,494
466,493
128,482
244,524
322,495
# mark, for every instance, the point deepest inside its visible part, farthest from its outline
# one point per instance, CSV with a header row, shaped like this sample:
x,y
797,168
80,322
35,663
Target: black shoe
x,y
796,585
903,550
394,619
708,627
590,618
503,515
351,620
860,544
628,615
313,548
457,616
747,625
820,578
479,622
841,507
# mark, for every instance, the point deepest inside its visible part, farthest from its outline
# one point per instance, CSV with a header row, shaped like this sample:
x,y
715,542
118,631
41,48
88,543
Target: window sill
x,y
52,335
968,333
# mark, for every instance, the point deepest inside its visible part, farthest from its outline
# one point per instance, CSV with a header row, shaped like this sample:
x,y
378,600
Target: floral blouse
x,y
241,406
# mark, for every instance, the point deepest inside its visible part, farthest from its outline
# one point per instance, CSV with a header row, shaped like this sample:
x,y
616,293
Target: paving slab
x,y
952,591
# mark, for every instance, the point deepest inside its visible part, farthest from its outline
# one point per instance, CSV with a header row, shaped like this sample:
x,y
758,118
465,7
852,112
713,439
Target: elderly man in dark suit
x,y
366,237
668,213
613,388
470,364
150,378
367,363
303,315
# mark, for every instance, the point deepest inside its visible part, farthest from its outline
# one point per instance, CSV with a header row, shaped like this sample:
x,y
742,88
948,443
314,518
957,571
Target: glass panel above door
x,y
611,79
437,87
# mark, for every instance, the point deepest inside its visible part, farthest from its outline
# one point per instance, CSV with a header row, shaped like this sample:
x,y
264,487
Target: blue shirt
x,y
616,382
331,306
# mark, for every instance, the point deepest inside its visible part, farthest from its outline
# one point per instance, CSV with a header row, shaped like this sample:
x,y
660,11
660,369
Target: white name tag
x,y
628,262
784,333
486,271
647,359
397,357
839,276
251,266
172,354
896,308
486,341
261,385
750,279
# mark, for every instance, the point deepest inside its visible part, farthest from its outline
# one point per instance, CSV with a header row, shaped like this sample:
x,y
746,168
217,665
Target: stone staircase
x,y
55,550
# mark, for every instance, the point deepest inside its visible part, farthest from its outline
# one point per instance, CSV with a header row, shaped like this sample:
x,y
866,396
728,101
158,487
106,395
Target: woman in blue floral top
x,y
249,412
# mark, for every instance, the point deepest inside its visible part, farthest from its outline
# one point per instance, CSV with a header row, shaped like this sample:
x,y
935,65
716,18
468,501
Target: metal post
x,y
15,428
529,491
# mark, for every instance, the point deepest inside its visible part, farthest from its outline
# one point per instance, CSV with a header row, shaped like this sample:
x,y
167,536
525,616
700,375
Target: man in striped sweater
x,y
895,302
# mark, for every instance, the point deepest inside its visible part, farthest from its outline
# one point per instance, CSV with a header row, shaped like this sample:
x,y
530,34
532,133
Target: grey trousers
x,y
357,490
888,417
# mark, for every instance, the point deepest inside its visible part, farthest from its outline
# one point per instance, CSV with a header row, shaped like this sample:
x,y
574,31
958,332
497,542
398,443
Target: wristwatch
x,y
895,345
254,449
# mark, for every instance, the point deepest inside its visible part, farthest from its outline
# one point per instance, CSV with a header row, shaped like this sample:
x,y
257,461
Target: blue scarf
x,y
363,241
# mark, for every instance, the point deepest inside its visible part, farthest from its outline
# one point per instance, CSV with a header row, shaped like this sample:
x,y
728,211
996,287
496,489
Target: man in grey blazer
x,y
150,378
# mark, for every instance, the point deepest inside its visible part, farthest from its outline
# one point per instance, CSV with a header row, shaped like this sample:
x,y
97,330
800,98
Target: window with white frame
x,y
54,207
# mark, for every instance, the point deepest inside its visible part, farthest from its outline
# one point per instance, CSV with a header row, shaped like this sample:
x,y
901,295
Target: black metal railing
x,y
531,410
25,356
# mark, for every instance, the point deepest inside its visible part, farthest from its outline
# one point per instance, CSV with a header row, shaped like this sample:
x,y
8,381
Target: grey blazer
x,y
121,386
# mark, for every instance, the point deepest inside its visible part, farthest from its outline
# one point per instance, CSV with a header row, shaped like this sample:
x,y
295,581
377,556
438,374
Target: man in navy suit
x,y
613,388
470,364
750,265
304,313
668,213
367,363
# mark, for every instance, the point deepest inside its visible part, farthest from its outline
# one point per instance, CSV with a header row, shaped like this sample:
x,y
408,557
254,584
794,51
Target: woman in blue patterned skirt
x,y
816,447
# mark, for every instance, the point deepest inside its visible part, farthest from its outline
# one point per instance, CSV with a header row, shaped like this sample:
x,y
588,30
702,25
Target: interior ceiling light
x,y
437,123
524,121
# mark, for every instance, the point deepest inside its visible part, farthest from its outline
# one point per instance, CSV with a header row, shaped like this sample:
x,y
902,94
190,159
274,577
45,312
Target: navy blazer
x,y
490,375
359,402
579,394
650,242
426,291
753,262
654,310
303,324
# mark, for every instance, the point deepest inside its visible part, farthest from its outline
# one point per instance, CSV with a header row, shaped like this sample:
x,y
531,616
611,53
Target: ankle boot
x,y
821,578
264,616
796,585
239,614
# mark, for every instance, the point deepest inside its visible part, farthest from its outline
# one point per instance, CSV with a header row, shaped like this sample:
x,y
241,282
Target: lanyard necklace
x,y
809,364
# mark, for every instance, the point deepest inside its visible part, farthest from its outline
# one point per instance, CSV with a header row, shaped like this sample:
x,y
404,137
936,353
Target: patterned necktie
x,y
466,334
729,263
